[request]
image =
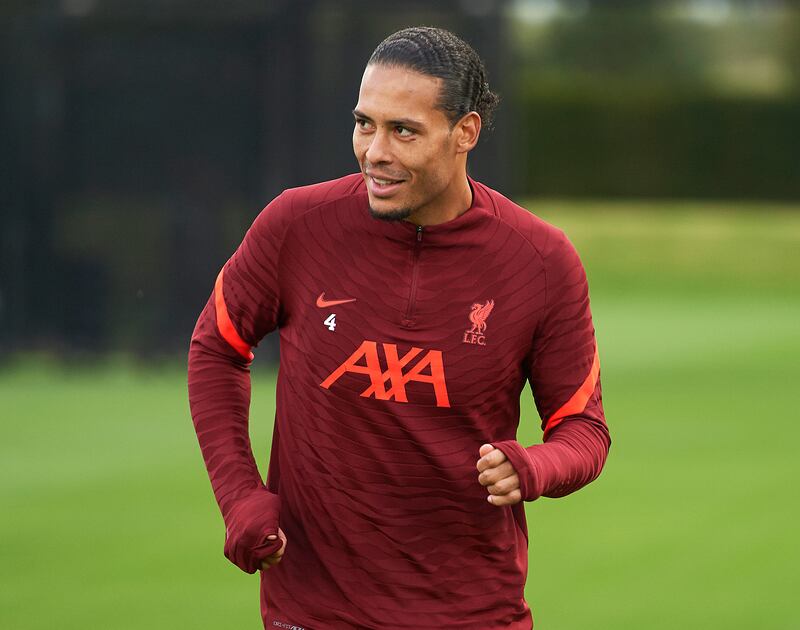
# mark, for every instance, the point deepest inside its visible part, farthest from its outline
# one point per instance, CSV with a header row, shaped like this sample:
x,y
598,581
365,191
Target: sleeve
x,y
243,308
564,375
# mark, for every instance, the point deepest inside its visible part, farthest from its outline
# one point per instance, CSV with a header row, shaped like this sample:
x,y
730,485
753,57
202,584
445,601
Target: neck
x,y
454,201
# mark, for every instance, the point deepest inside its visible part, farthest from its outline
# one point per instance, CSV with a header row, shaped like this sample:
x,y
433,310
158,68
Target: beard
x,y
398,214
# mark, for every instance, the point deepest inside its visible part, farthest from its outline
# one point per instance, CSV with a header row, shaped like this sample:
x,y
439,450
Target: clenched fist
x,y
499,476
275,558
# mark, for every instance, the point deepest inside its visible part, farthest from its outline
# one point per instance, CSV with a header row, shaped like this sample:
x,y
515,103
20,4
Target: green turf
x,y
108,519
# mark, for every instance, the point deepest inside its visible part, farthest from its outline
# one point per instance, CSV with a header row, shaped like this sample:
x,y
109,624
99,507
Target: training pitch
x,y
109,521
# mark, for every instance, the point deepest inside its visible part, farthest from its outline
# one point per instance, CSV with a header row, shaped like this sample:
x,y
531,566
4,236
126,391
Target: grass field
x,y
109,522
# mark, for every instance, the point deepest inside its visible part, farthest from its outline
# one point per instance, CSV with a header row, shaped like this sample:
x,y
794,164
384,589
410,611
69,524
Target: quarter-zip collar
x,y
442,233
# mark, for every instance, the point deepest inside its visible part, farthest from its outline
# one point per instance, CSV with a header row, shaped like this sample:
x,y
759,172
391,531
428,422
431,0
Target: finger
x,y
483,451
491,460
511,498
493,475
266,563
269,562
275,558
505,486
279,554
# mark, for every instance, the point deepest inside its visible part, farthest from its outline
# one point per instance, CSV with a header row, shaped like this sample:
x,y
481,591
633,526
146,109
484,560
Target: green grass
x,y
109,522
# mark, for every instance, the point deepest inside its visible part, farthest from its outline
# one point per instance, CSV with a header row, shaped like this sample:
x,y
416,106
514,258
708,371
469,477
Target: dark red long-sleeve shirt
x,y
403,350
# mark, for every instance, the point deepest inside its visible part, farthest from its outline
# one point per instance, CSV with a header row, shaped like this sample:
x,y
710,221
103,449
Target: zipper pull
x,y
419,234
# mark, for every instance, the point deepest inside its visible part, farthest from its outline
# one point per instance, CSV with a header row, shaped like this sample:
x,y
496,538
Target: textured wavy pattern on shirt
x,y
387,524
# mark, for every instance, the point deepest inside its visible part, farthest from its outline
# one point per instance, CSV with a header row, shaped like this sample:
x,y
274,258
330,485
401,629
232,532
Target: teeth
x,y
383,182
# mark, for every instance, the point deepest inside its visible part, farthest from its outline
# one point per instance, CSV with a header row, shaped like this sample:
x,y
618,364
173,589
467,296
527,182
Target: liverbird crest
x,y
478,316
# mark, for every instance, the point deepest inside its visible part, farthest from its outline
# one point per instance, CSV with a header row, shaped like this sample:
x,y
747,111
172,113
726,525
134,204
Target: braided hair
x,y
439,53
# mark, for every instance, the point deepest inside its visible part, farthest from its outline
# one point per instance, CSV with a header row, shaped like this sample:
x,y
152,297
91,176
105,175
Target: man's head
x,y
422,102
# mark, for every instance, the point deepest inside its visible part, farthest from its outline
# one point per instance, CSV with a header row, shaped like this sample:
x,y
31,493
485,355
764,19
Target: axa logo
x,y
389,382
478,316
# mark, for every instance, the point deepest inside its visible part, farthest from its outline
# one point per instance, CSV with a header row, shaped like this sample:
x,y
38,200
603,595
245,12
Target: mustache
x,y
388,174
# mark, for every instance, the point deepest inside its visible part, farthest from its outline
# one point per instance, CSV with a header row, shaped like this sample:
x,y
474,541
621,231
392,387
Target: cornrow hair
x,y
440,53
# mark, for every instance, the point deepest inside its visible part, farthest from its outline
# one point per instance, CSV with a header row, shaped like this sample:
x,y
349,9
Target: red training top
x,y
403,350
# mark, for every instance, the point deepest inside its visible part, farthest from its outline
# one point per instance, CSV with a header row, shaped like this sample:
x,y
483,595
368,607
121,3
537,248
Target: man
x,y
413,303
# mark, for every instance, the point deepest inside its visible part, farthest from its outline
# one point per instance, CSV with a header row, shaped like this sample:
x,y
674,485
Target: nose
x,y
378,151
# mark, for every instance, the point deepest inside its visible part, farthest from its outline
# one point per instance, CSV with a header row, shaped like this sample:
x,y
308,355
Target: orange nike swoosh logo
x,y
323,303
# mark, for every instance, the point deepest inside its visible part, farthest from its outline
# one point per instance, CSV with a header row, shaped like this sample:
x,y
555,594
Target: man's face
x,y
403,143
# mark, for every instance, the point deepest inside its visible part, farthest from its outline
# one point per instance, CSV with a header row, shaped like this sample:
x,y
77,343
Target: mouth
x,y
383,186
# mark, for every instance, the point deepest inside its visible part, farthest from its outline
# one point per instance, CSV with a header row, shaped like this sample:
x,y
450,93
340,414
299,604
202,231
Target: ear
x,y
467,131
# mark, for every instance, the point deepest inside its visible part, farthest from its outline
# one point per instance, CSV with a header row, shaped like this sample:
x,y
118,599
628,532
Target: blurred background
x,y
141,139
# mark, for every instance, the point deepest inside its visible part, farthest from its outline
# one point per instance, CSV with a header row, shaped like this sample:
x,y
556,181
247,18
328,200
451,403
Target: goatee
x,y
391,215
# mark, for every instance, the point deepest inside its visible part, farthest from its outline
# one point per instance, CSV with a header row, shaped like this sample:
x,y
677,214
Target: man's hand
x,y
275,558
499,476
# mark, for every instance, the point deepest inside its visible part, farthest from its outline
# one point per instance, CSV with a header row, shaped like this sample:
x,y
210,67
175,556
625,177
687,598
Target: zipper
x,y
408,321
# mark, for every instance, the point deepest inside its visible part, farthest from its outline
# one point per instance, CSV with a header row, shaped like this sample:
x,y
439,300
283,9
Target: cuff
x,y
529,482
247,527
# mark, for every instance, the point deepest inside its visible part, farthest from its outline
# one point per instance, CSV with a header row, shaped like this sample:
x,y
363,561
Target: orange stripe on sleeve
x,y
577,403
224,323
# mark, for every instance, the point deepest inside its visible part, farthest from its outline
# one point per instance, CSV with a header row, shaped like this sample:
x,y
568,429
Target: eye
x,y
404,132
362,124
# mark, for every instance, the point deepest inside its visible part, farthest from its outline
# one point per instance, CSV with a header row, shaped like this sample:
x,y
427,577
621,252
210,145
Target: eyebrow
x,y
397,122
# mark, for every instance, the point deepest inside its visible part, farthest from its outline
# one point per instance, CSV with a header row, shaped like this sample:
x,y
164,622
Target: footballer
x,y
413,305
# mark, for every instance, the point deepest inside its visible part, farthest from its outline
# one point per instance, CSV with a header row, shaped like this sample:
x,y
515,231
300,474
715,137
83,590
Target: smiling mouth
x,y
383,187
385,182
